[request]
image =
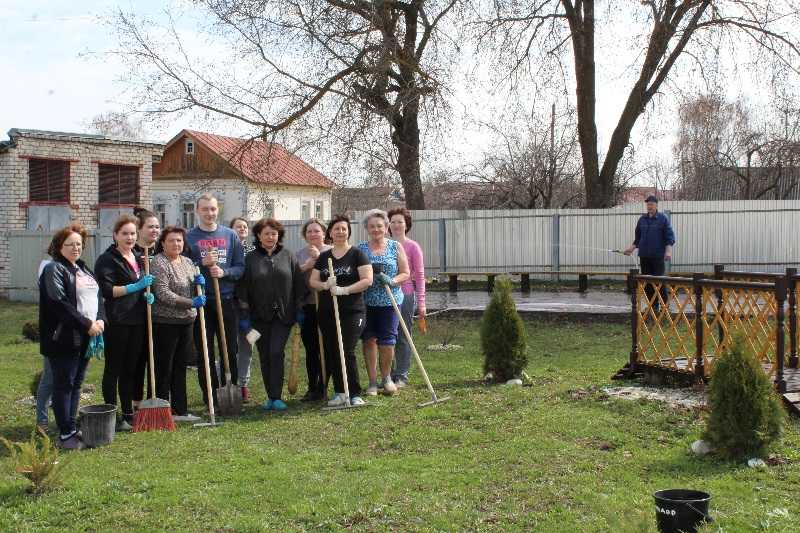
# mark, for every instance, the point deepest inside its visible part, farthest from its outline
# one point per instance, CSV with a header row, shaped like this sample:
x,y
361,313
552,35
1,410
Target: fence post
x,y
555,247
791,287
699,312
668,264
442,245
780,338
719,274
634,356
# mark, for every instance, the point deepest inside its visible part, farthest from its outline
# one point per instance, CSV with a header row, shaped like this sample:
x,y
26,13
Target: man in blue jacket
x,y
219,252
654,238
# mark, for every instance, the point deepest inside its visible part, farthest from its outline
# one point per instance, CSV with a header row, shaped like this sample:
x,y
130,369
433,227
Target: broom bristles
x,y
153,419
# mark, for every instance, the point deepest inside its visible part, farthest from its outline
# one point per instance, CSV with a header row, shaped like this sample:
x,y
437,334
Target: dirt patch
x,y
677,398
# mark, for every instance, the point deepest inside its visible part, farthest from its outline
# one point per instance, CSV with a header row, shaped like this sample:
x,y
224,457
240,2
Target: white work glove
x,y
340,291
330,283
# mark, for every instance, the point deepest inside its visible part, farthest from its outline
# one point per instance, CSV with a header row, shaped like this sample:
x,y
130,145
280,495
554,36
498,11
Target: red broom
x,y
154,414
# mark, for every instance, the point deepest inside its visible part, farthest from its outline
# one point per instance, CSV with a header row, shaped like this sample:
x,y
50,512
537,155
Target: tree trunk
x,y
406,139
581,24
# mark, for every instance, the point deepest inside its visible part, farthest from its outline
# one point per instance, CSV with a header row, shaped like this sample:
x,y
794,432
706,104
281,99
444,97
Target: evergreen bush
x,y
746,413
30,330
503,335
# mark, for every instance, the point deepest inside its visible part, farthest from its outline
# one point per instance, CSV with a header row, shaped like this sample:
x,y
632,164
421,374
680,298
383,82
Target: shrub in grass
x,y
30,330
503,335
746,413
37,460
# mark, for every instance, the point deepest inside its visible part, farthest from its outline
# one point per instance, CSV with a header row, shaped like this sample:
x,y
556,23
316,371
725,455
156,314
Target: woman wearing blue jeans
x,y
391,269
70,314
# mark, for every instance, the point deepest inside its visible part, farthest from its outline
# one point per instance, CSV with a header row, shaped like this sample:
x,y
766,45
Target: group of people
x,y
261,289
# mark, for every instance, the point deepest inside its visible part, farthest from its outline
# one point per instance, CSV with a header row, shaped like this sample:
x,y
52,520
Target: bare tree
x,y
537,168
117,124
725,152
664,30
299,63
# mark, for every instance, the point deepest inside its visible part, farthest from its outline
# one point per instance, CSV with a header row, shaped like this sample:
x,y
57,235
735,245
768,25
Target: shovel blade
x,y
230,400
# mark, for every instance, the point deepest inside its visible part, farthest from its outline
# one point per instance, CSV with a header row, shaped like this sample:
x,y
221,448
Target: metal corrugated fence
x,y
758,235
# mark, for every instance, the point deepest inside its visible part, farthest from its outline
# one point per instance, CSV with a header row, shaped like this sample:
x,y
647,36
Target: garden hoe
x,y
341,350
434,399
206,365
154,414
229,395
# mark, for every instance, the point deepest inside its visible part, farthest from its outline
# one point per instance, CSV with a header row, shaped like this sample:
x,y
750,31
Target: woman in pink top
x,y
413,290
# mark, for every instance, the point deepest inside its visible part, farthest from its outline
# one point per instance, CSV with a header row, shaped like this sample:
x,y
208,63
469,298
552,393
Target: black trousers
x,y
271,345
311,343
123,352
230,316
173,349
141,376
352,325
653,266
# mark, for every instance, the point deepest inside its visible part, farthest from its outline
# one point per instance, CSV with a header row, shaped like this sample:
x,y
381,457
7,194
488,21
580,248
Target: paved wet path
x,y
597,302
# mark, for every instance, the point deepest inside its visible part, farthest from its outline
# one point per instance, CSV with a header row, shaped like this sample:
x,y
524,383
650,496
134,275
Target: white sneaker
x,y
372,390
357,400
389,388
186,418
400,383
338,400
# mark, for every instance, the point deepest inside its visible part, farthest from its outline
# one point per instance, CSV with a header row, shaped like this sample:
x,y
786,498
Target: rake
x,y
434,398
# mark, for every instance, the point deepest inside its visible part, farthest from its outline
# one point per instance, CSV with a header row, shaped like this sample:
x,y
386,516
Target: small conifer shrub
x,y
503,335
746,413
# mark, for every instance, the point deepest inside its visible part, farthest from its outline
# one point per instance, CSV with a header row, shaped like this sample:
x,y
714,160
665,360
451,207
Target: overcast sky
x,y
57,76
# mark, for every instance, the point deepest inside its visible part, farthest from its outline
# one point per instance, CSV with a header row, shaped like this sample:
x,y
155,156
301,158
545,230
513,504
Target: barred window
x,y
48,180
118,185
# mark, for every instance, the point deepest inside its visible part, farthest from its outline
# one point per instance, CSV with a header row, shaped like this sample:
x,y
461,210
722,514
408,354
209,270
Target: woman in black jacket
x,y
120,273
70,312
271,293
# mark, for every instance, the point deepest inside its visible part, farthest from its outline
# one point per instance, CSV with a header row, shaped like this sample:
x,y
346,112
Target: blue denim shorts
x,y
381,325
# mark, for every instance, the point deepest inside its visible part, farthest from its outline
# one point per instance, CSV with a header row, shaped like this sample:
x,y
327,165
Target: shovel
x,y
229,395
206,366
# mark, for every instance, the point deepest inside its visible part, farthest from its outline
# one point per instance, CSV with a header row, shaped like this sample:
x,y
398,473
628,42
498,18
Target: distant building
x,y
638,194
742,183
253,179
346,200
49,178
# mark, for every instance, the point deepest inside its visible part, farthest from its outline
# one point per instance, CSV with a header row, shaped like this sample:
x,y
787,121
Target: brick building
x,y
48,178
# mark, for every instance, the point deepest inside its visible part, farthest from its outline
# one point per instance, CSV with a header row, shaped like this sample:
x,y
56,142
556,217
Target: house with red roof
x,y
250,178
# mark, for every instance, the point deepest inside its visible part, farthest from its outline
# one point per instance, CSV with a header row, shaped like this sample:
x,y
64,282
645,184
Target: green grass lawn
x,y
494,458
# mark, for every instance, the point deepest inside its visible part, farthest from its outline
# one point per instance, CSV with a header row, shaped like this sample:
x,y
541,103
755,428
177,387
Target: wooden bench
x,y
583,277
525,278
452,279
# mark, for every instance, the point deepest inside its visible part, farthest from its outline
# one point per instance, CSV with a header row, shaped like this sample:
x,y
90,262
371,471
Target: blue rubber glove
x,y
300,317
385,281
149,297
144,281
199,301
244,325
200,280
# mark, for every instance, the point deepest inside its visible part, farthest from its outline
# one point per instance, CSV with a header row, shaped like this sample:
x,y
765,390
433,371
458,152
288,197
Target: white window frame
x,y
187,215
305,209
189,147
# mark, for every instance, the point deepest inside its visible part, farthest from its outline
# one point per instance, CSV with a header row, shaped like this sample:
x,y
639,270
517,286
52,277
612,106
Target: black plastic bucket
x,y
98,423
681,510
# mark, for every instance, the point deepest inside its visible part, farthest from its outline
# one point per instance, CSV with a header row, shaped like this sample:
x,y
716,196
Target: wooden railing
x,y
685,323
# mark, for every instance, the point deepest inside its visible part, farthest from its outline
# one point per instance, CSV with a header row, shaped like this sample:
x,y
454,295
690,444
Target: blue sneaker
x,y
269,405
278,405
